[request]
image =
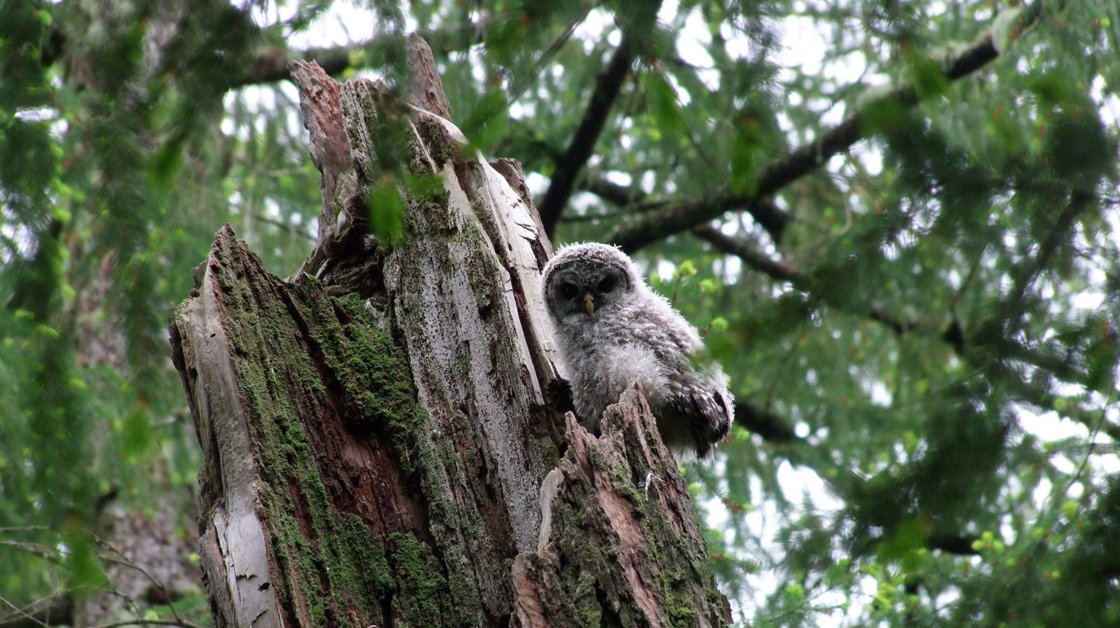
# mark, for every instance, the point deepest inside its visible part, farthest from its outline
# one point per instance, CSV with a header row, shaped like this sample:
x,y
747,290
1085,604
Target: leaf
x,y
662,100
909,535
81,561
925,75
136,433
488,121
386,211
719,324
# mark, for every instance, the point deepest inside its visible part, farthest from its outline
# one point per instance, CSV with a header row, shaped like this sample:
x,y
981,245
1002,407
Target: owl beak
x,y
589,303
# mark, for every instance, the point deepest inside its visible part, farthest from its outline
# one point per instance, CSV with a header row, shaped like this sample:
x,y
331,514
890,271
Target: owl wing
x,y
695,412
698,411
661,328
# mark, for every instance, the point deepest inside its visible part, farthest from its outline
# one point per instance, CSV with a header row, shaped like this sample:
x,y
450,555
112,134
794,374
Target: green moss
x,y
339,566
466,607
440,147
675,586
362,559
423,594
372,370
478,267
590,569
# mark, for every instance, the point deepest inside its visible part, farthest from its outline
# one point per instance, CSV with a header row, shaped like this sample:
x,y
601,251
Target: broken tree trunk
x,y
385,431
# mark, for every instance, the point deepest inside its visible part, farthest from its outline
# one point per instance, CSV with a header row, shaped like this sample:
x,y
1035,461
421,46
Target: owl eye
x,y
569,290
607,284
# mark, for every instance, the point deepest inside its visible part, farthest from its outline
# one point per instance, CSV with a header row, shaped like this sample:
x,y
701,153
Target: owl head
x,y
586,279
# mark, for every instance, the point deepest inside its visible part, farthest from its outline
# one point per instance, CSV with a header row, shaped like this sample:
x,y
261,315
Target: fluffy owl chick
x,y
613,330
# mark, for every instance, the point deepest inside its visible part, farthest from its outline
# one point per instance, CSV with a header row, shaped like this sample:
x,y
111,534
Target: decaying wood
x,y
618,544
377,429
233,547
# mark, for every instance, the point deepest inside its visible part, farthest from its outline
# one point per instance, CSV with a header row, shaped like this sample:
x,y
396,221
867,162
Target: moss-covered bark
x,y
342,462
618,545
376,430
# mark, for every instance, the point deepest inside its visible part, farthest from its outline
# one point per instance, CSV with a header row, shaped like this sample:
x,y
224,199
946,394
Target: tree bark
x,y
377,428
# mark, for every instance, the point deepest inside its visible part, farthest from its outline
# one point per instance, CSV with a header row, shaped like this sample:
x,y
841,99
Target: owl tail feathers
x,y
706,441
704,438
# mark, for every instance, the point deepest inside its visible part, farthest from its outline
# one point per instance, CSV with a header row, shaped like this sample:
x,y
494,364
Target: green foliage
x,y
386,211
943,362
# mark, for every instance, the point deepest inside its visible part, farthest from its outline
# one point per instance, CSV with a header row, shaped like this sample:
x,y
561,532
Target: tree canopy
x,y
895,223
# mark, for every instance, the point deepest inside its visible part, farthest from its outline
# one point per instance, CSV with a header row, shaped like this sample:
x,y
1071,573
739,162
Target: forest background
x,y
896,224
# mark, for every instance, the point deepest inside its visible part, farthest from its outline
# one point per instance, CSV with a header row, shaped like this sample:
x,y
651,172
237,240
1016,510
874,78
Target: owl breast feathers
x,y
613,330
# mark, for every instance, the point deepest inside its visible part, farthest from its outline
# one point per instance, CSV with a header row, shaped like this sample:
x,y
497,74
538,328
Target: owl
x,y
612,330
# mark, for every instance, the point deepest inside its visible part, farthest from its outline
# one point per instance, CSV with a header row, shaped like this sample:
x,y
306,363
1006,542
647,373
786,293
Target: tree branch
x,y
957,545
280,224
1024,278
139,621
614,193
271,64
633,201
780,269
768,425
607,87
687,213
662,219
53,610
774,429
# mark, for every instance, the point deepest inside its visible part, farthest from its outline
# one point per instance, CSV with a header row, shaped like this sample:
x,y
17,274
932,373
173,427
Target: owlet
x,y
613,330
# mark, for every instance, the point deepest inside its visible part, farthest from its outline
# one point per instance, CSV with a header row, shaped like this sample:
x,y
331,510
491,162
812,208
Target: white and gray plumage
x,y
613,330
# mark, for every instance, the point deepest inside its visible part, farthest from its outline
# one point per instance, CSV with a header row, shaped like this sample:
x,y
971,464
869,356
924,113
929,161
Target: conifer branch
x,y
687,213
29,292
785,271
953,334
768,425
286,226
1078,202
614,193
956,545
271,65
632,201
752,257
608,84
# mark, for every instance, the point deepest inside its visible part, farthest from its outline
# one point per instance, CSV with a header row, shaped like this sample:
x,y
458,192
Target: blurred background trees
x,y
896,223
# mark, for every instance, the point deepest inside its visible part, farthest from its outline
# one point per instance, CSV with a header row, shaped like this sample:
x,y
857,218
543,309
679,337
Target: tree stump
x,y
385,431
